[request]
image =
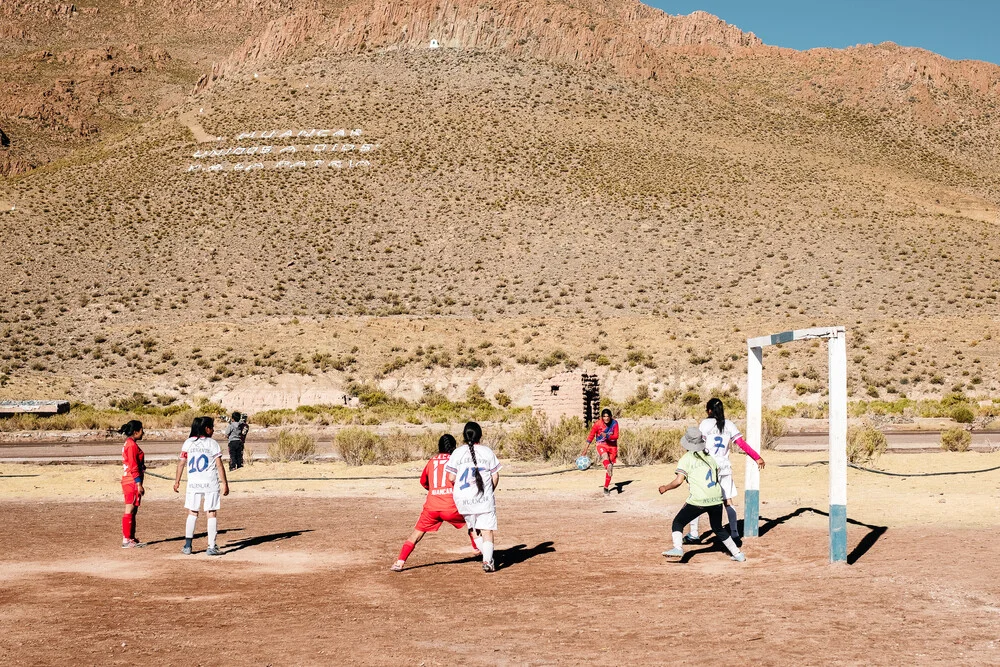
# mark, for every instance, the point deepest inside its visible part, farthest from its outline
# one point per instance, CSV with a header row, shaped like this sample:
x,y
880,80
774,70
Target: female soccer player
x,y
133,471
719,432
702,475
439,506
605,432
203,458
473,491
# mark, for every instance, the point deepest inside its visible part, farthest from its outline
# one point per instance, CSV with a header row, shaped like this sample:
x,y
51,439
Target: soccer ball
x,y
583,462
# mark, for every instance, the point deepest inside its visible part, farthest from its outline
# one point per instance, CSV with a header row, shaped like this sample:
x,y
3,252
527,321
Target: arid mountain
x,y
581,183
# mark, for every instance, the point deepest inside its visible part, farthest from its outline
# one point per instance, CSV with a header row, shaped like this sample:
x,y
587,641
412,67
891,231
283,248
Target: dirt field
x,y
304,577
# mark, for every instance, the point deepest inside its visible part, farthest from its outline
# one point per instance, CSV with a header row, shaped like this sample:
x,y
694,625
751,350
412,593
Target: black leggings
x,y
689,513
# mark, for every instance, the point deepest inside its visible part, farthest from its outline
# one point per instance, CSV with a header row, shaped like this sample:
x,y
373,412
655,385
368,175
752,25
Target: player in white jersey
x,y
719,433
202,457
474,471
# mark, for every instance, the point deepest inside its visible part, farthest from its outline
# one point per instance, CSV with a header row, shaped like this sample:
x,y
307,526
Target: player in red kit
x,y
133,470
605,433
439,506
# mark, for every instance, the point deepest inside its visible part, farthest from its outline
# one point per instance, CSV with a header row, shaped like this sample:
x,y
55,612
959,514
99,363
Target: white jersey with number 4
x,y
717,442
468,500
201,454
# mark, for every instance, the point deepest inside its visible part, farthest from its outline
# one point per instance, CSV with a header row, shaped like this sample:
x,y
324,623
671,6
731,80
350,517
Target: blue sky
x,y
957,29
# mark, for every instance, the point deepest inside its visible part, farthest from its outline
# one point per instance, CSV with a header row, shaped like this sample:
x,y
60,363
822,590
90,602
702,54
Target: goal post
x,y
836,338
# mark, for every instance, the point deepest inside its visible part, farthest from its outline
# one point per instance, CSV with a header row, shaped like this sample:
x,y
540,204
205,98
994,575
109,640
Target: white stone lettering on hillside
x,y
287,151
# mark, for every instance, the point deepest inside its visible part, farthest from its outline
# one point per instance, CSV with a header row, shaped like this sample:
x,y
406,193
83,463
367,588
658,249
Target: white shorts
x,y
484,521
728,486
193,500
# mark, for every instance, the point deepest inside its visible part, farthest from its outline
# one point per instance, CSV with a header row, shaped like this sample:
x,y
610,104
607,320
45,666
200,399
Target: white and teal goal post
x,y
836,338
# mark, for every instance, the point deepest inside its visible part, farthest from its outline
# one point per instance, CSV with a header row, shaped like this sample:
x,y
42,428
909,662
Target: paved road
x,y
163,450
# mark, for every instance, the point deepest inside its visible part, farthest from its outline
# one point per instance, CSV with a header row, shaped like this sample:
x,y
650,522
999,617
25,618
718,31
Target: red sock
x,y
607,481
127,526
407,549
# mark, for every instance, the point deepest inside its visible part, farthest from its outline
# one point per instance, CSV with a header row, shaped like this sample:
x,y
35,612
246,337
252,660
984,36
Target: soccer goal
x,y
837,352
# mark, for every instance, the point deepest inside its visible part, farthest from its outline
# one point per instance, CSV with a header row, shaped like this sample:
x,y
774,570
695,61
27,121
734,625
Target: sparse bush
x,y
963,414
538,439
292,446
865,444
359,447
271,417
502,399
644,446
772,427
956,440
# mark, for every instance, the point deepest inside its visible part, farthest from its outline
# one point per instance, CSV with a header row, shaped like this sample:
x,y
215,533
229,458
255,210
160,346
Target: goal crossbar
x,y
836,338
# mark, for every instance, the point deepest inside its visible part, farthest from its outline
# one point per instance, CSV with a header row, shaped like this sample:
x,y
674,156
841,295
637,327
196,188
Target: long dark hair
x,y
472,434
446,444
129,429
717,412
198,427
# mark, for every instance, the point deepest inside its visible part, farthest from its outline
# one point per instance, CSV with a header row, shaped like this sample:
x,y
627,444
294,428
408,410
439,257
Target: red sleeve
x,y
593,431
425,476
130,458
747,449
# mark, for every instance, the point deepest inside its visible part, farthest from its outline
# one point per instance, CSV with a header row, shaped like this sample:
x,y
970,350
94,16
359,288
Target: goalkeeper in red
x,y
605,433
439,507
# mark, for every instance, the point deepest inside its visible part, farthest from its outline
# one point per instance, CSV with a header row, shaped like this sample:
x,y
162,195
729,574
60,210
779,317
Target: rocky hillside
x,y
586,184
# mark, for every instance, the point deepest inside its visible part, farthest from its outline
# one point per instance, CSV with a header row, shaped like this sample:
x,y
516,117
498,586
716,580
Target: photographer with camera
x,y
236,432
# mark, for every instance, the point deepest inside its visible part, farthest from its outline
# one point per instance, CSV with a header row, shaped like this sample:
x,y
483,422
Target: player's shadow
x,y
866,543
621,485
196,536
257,540
518,554
503,558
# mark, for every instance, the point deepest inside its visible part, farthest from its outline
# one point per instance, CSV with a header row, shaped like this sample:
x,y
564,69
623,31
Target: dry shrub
x,y
956,440
359,447
644,446
865,444
772,427
292,446
538,439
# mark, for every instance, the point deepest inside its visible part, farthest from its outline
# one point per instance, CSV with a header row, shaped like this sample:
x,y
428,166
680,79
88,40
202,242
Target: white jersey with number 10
x,y
468,500
202,475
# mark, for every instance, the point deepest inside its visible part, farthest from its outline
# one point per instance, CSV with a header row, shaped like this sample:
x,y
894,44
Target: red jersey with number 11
x,y
439,489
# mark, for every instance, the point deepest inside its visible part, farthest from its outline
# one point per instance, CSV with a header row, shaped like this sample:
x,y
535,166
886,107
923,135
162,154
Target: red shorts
x,y
431,520
131,493
612,452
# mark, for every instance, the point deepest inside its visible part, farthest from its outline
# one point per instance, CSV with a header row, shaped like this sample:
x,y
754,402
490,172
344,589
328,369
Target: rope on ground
x,y
893,474
375,477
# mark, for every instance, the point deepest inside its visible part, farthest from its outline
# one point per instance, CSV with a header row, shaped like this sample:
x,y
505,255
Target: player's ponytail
x,y
472,434
129,429
197,428
717,412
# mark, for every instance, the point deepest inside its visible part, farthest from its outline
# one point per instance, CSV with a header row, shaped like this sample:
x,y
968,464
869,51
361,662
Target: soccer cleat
x,y
476,553
213,551
674,553
607,492
489,567
740,557
691,538
128,544
186,550
397,566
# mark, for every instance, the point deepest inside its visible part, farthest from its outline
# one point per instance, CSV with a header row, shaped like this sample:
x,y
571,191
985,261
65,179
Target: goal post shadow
x,y
836,338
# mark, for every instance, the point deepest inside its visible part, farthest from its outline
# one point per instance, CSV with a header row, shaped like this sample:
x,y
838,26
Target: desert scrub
x,y
84,417
772,427
538,439
956,440
359,447
865,444
292,446
645,446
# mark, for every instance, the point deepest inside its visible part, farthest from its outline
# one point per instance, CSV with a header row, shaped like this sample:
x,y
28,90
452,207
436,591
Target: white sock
x,y
189,527
478,539
734,526
678,539
213,524
694,528
487,549
733,549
